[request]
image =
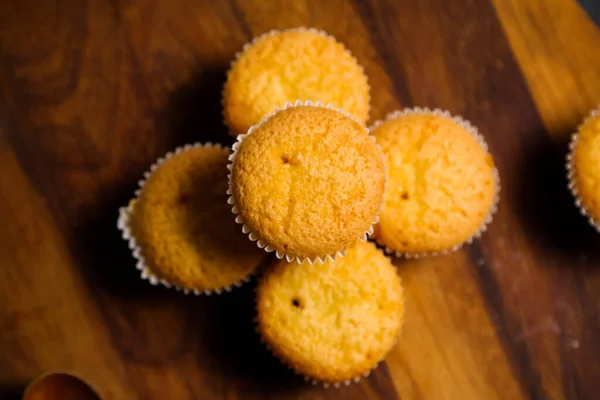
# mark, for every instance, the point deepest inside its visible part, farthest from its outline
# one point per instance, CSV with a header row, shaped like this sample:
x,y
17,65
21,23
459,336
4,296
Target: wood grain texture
x,y
560,60
92,92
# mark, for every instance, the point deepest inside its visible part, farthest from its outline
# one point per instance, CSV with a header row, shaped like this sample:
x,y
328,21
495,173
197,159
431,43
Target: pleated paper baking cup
x,y
496,176
571,172
274,32
254,236
317,382
124,225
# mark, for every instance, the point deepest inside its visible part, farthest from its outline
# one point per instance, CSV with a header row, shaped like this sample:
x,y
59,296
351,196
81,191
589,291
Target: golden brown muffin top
x,y
441,184
184,226
335,321
309,181
297,64
585,164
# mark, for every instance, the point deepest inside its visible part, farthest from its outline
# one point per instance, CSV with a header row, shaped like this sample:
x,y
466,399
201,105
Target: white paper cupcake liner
x,y
276,32
255,237
571,172
123,224
496,176
316,382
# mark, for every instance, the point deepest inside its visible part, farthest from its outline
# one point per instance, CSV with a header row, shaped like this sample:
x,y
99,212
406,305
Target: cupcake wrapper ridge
x,y
316,382
123,224
261,243
496,176
571,172
276,32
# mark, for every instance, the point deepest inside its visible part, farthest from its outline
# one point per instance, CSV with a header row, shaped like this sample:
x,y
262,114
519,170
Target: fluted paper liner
x,y
261,243
317,382
123,224
480,139
276,32
571,172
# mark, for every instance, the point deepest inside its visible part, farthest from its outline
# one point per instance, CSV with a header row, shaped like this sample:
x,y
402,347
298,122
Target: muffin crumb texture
x,y
309,181
441,184
297,64
183,224
332,322
586,166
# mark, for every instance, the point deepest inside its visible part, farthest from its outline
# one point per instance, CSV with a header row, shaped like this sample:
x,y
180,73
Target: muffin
x,y
583,166
443,186
332,323
282,66
307,182
180,227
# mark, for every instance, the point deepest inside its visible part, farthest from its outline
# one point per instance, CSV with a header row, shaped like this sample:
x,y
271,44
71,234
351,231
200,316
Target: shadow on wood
x,y
193,112
231,345
546,205
11,392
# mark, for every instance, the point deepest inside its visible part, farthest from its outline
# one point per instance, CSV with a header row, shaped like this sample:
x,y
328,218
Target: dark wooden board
x,y
93,91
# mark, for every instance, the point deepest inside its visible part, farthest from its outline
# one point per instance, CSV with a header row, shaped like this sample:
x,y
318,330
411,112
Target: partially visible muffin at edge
x,y
308,182
184,227
584,167
442,184
332,322
296,64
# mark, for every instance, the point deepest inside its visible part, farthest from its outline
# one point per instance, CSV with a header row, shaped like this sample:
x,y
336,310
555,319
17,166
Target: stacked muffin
x,y
307,181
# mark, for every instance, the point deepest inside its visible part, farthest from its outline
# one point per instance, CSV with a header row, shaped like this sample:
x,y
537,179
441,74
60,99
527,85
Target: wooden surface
x,y
91,92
